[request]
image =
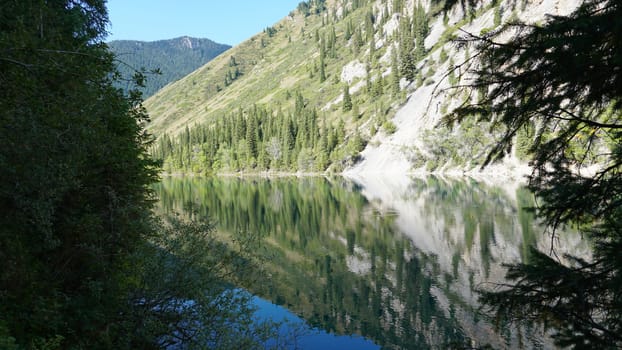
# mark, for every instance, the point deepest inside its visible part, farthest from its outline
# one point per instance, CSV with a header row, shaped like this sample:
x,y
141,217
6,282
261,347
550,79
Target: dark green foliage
x,y
420,30
408,64
349,31
174,58
309,7
322,64
565,79
370,19
73,198
346,104
254,139
378,88
270,31
85,264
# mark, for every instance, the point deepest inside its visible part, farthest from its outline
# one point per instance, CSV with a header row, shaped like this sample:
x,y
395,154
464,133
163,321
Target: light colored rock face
x,y
186,42
437,228
353,70
392,24
393,154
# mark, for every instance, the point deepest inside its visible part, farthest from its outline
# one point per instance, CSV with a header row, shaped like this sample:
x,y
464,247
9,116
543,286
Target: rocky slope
x,y
335,78
425,106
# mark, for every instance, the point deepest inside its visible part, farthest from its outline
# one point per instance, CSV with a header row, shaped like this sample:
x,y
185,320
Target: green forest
x,y
298,134
260,139
87,264
164,61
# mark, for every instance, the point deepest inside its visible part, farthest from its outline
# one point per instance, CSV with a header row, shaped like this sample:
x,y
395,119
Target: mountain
x,y
175,58
340,85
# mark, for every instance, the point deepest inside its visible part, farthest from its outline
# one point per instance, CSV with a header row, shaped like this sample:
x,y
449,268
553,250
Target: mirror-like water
x,y
395,262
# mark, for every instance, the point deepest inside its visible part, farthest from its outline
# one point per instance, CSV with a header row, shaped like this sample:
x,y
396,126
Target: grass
x,y
268,74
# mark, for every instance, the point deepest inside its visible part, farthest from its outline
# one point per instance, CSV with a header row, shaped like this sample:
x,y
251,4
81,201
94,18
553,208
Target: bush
x,y
389,127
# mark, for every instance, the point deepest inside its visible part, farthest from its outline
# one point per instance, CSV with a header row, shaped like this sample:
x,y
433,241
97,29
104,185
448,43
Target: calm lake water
x,y
371,263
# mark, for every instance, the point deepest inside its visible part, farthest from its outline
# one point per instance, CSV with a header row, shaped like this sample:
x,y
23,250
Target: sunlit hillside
x,y
331,79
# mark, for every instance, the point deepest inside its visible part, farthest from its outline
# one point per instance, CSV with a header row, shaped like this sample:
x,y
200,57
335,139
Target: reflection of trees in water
x,y
316,230
481,212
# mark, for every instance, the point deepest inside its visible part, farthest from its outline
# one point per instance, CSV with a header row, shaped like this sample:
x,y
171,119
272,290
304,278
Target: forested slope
x,y
357,85
174,58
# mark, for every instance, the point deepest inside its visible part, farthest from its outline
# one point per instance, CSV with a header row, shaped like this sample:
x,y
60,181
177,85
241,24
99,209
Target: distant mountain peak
x,y
186,42
175,58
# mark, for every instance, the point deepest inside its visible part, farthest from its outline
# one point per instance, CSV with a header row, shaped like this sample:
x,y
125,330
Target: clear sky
x,y
224,21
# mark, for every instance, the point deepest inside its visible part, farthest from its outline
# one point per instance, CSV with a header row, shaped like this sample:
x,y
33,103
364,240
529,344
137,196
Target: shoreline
x,y
492,174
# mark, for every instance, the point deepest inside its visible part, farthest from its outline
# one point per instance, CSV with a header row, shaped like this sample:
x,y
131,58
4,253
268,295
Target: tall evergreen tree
x,y
408,67
85,263
565,77
73,199
347,100
252,137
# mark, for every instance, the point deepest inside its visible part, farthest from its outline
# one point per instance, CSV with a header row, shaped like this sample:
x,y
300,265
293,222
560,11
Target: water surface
x,y
376,262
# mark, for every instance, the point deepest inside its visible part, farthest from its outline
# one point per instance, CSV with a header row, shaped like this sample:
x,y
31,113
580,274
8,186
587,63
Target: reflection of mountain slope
x,y
393,261
469,228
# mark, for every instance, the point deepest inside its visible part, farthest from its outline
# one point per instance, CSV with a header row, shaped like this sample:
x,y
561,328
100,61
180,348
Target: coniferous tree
x,y
369,26
378,88
321,63
408,68
395,74
349,31
578,299
420,30
252,137
332,41
347,100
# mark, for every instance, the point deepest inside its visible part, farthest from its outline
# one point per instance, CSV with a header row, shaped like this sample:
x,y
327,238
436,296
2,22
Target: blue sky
x,y
227,22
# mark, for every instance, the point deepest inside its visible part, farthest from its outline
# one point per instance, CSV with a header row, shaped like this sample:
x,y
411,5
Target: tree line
x,y
299,138
86,264
258,139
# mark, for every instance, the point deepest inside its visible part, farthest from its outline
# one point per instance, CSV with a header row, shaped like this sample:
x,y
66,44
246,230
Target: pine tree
x,y
349,31
408,67
369,26
564,76
252,137
347,100
378,88
395,74
321,63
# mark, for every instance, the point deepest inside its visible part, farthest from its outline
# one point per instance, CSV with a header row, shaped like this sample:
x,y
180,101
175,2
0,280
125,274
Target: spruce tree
x,y
565,77
347,100
408,67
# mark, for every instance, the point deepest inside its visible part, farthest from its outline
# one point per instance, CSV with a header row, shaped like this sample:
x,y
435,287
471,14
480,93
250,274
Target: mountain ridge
x,y
174,58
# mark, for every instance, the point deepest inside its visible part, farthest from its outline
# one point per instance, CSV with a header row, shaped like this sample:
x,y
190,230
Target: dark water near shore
x,y
372,264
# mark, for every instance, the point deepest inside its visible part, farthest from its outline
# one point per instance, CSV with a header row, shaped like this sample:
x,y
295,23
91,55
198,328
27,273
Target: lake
x,y
377,262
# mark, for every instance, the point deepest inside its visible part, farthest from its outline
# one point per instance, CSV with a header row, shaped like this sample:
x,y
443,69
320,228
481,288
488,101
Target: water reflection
x,y
397,261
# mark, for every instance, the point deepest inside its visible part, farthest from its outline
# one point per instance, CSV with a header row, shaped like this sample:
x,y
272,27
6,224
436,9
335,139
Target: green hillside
x,y
175,58
306,94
